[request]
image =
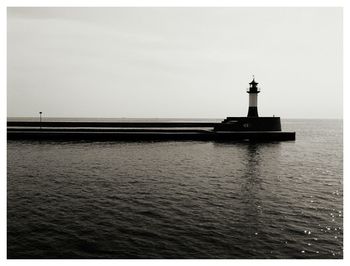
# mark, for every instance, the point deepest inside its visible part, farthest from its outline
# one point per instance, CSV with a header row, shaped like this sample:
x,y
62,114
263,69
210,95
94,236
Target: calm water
x,y
179,199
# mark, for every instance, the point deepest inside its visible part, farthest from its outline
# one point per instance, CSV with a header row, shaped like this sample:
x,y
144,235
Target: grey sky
x,y
174,62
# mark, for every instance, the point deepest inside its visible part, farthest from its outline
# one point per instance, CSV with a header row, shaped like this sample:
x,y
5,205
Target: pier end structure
x,y
252,122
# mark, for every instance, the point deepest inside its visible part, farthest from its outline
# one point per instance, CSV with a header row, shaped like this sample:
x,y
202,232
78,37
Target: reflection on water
x,y
178,199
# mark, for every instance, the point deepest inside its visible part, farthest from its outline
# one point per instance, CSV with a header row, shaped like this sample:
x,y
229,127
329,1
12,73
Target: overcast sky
x,y
174,62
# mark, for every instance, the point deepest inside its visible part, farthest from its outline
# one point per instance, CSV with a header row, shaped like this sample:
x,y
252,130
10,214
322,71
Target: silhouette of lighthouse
x,y
253,98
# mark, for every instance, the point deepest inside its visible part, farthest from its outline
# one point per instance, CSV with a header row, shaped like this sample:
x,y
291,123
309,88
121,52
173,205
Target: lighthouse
x,y
265,127
253,98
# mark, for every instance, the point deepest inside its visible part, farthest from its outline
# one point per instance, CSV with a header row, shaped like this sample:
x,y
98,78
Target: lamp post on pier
x,y
40,118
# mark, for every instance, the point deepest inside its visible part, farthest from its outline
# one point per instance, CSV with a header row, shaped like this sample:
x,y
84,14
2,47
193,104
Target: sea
x,y
178,199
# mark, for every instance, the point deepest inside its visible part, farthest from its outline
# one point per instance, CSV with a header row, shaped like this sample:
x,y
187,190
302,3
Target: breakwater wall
x,y
110,124
229,129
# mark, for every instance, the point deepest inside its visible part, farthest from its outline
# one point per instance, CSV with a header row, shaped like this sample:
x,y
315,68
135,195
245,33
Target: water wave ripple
x,y
179,199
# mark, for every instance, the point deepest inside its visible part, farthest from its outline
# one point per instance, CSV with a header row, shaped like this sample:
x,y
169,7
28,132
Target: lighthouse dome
x,y
253,82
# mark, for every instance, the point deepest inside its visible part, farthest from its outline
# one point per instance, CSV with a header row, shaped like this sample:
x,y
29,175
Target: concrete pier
x,y
137,131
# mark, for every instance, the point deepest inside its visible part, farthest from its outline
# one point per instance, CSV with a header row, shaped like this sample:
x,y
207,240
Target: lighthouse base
x,y
253,112
249,124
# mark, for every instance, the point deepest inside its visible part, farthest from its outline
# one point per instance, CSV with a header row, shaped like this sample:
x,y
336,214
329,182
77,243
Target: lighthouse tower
x,y
253,124
253,98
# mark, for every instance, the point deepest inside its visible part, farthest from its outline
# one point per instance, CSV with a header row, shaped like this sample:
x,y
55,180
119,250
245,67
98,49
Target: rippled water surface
x,y
179,199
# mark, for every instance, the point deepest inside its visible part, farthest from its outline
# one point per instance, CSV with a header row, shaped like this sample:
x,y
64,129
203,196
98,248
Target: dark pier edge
x,y
230,129
108,124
